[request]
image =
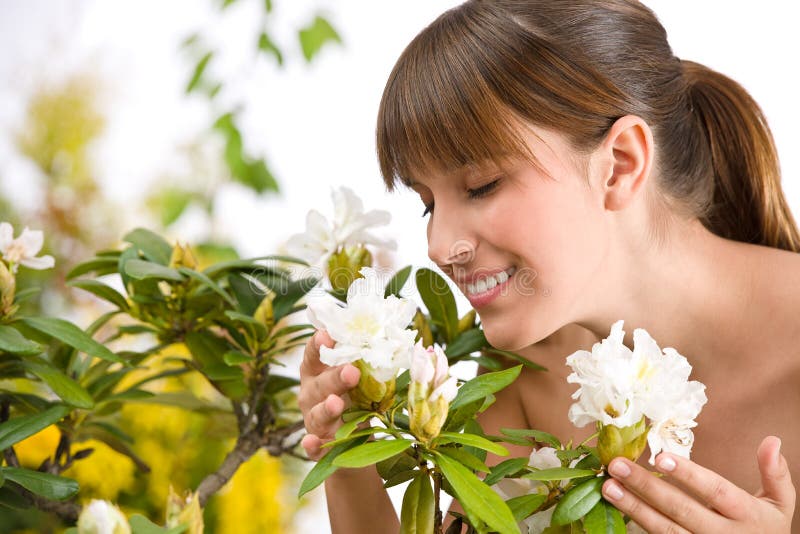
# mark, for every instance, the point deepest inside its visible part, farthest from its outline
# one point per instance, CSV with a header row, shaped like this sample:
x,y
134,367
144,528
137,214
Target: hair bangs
x,y
439,112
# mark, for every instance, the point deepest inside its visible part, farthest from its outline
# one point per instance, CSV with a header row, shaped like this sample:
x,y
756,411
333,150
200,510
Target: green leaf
x,y
399,463
197,75
477,497
66,388
439,299
141,525
518,358
524,505
348,428
472,440
44,484
268,46
152,245
559,473
372,452
208,282
325,468
577,502
463,456
483,385
505,468
26,294
417,512
604,519
15,343
100,266
234,357
71,335
143,270
170,203
19,428
316,35
102,291
397,282
538,435
288,296
466,343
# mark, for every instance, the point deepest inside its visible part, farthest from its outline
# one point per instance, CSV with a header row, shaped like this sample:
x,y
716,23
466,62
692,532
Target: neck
x,y
687,292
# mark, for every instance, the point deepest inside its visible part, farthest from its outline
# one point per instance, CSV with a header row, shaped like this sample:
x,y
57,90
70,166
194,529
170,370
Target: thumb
x,y
776,480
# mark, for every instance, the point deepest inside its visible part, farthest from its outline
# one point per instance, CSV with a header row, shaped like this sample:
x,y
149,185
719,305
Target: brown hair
x,y
462,85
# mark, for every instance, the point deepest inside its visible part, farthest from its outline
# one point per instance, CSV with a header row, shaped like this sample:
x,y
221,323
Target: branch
x,y
68,511
246,446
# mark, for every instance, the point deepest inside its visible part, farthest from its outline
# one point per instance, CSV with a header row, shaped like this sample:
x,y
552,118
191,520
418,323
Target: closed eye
x,y
483,190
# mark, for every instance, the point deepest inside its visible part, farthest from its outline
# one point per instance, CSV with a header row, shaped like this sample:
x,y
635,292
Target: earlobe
x,y
629,145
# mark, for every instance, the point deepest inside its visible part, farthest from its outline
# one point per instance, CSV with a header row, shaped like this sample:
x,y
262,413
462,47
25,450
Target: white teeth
x,y
485,284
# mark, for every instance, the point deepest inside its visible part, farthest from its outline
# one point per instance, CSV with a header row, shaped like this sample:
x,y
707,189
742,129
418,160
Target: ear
x,y
628,149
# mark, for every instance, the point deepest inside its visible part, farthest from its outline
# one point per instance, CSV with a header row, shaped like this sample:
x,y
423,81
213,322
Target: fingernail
x,y
613,491
666,463
619,469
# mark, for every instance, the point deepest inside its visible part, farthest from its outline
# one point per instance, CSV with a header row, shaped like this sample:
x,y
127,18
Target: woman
x,y
563,143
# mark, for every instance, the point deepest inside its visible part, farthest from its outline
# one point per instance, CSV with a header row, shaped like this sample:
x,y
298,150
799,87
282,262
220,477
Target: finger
x,y
776,480
332,381
634,507
716,491
664,498
324,418
313,446
311,365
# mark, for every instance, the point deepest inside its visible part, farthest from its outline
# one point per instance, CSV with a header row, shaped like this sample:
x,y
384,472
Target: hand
x,y
321,394
717,504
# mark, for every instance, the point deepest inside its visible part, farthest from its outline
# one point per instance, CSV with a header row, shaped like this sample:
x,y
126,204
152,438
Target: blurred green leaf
x,y
524,505
252,173
505,468
316,35
324,467
267,45
538,435
170,203
152,245
100,266
101,291
466,343
14,342
558,473
141,525
199,70
395,285
461,455
518,358
66,388
208,282
71,335
143,270
234,357
604,519
19,428
44,484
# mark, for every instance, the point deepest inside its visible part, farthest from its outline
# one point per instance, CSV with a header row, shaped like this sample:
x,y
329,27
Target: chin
x,y
509,336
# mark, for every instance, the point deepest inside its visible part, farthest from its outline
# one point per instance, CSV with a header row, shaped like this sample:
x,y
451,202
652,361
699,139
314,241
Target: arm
x,y
357,500
711,503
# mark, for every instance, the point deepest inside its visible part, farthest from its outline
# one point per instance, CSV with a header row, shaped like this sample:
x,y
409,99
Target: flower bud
x,y
344,266
629,441
184,511
429,393
371,393
264,314
102,517
8,287
182,257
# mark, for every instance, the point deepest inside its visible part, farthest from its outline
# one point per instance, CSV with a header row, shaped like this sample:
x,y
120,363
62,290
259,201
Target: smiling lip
x,y
482,298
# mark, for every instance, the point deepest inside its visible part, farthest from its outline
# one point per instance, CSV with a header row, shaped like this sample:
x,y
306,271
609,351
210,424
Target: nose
x,y
449,242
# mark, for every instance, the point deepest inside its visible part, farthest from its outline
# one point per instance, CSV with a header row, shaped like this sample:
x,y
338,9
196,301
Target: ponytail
x,y
748,203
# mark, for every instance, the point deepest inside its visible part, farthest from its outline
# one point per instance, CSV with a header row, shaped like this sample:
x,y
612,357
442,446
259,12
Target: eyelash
x,y
477,192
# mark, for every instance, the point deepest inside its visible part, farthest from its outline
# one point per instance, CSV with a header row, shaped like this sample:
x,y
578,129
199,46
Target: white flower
x,y
23,249
369,328
102,517
619,386
350,226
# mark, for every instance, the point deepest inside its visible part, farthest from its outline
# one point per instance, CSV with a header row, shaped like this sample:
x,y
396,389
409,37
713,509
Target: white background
x,y
314,123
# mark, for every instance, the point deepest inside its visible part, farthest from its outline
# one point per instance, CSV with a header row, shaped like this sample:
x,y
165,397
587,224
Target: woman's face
x,y
526,245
